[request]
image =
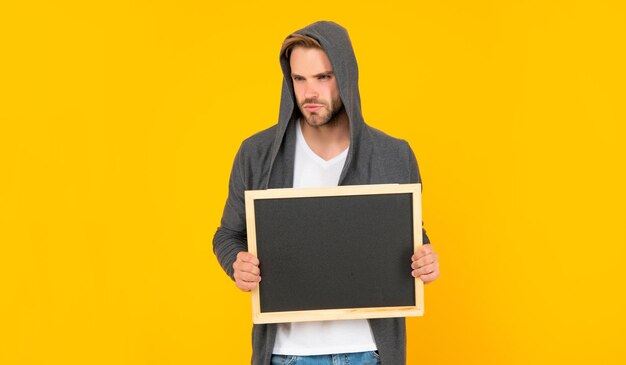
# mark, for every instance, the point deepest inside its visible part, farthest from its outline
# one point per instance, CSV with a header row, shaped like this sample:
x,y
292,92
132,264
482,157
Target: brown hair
x,y
298,40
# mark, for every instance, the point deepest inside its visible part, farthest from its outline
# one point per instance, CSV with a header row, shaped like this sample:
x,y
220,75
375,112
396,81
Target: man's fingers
x,y
252,275
246,271
247,257
246,286
245,276
429,277
246,267
253,270
425,260
425,270
246,281
421,252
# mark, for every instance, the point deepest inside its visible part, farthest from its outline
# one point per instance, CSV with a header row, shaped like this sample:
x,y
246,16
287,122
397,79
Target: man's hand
x,y
425,264
247,273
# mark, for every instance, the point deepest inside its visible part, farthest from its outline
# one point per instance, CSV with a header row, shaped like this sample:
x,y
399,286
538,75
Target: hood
x,y
336,43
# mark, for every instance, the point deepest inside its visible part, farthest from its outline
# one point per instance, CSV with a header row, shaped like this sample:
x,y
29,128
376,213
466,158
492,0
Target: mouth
x,y
312,107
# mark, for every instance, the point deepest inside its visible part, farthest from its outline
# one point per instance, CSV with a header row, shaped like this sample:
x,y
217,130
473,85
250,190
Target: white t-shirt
x,y
321,337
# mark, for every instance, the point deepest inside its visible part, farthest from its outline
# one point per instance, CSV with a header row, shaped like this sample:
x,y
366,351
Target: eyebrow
x,y
325,73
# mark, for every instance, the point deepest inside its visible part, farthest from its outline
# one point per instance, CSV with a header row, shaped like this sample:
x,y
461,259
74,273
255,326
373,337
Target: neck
x,y
330,139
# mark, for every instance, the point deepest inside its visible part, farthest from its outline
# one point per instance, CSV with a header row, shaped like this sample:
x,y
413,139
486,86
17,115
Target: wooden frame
x,y
343,313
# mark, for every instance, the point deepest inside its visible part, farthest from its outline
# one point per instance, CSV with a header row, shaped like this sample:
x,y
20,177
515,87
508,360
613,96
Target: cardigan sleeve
x,y
416,178
231,237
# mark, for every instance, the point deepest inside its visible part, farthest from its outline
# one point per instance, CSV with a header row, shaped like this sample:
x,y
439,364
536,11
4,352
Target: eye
x,y
325,77
298,78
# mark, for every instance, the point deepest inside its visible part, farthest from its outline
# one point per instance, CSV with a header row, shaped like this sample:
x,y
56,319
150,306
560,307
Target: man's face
x,y
315,85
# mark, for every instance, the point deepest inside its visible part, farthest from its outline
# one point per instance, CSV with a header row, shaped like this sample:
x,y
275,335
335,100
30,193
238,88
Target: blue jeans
x,y
355,358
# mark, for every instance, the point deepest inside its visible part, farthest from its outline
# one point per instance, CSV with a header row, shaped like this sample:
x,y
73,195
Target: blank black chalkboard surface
x,y
335,253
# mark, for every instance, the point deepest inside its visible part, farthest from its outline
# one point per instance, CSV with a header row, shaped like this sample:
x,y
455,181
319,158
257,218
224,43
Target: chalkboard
x,y
335,253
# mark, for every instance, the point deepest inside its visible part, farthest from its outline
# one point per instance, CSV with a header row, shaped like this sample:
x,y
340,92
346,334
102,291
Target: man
x,y
320,140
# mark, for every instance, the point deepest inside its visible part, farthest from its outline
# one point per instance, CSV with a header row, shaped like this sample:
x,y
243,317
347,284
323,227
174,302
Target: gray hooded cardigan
x,y
266,160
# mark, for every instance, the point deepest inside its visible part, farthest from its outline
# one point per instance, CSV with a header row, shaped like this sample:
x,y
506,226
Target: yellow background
x,y
120,121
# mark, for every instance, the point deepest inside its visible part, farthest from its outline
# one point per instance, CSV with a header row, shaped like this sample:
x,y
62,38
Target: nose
x,y
310,92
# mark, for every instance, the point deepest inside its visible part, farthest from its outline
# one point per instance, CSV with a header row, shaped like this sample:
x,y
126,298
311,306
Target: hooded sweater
x,y
266,160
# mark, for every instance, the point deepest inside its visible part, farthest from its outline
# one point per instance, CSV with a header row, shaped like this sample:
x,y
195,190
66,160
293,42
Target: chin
x,y
315,123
